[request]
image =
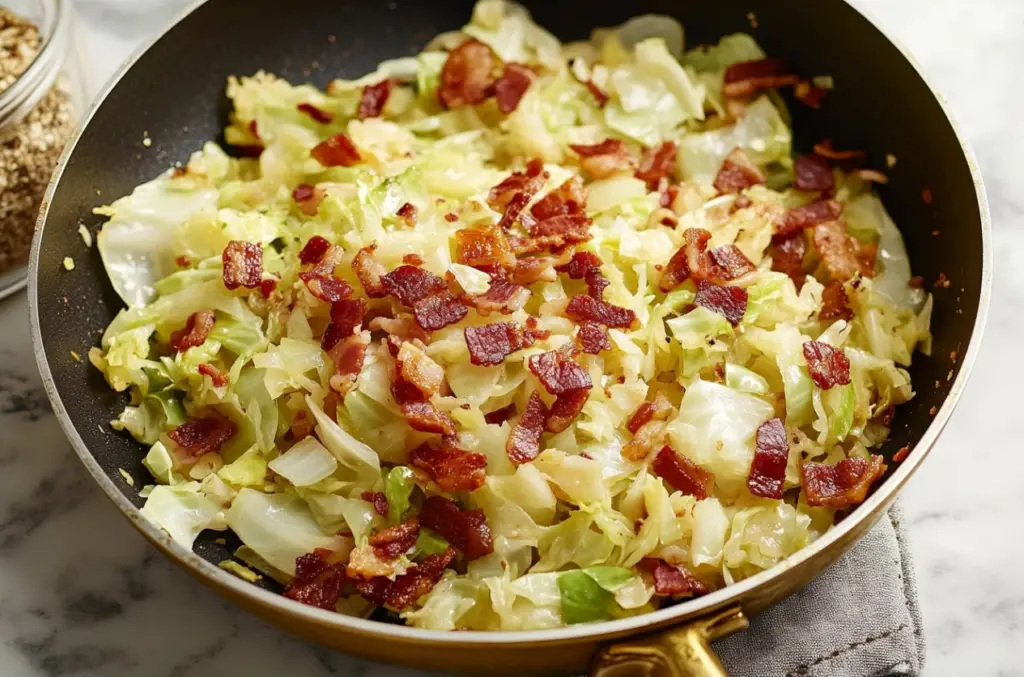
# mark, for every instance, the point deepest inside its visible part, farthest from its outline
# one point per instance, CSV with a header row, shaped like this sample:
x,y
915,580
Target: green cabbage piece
x,y
398,487
183,512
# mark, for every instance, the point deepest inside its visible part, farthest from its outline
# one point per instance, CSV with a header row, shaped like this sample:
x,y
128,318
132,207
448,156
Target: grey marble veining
x,y
82,594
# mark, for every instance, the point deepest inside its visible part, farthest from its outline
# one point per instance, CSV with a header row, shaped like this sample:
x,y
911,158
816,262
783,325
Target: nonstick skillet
x,y
174,93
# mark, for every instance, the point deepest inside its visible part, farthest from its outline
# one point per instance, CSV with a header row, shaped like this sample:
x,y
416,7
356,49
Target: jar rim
x,y
25,92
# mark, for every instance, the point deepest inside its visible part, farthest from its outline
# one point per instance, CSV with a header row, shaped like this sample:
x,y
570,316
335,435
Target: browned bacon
x,y
374,98
682,474
243,264
771,454
464,529
467,77
524,442
737,173
337,151
827,365
842,485
195,332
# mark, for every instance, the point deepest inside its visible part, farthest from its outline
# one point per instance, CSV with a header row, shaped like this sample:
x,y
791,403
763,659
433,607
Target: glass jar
x,y
43,93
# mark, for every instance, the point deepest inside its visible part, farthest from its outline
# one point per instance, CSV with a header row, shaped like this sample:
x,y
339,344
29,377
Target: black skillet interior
x,y
175,95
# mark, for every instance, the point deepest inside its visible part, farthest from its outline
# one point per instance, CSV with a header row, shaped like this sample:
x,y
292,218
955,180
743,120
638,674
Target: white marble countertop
x,y
82,594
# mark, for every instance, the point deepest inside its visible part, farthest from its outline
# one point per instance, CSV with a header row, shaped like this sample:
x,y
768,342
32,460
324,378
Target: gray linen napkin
x,y
859,618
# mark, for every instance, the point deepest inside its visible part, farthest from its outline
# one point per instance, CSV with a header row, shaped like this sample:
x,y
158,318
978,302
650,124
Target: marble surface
x,y
82,594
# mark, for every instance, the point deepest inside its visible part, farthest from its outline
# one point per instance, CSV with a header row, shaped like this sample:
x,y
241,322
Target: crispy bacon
x,y
771,454
842,256
513,210
729,302
596,283
523,443
243,264
438,311
490,344
348,357
644,441
835,304
729,262
842,485
568,198
378,499
370,272
217,377
744,79
317,582
407,213
788,256
337,151
410,284
501,297
307,198
374,98
195,332
657,164
687,260
554,233
425,417
408,587
511,86
812,173
603,159
558,372
535,269
738,172
324,287
580,264
412,259
318,115
526,182
657,409
464,529
809,215
314,249
396,540
673,580
499,416
198,436
829,366
467,77
682,474
593,338
417,368
453,469
565,409
825,149
484,246
808,94
587,308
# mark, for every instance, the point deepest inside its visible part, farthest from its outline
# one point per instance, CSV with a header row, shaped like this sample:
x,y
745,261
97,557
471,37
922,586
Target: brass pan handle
x,y
678,652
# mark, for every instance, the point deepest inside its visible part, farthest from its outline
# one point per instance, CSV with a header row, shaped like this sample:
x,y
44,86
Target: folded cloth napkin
x,y
859,618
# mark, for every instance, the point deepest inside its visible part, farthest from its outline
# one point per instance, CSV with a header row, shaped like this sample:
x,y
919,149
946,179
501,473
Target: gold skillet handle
x,y
678,652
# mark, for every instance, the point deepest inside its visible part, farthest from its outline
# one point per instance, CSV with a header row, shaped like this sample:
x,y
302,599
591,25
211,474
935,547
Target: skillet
x,y
174,93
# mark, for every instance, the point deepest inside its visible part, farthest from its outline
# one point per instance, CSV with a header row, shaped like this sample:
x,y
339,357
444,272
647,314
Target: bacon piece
x,y
453,469
604,159
738,172
596,283
835,304
499,416
378,499
408,587
195,332
426,418
527,182
374,98
672,580
307,198
682,474
644,441
593,338
584,308
523,443
318,115
901,455
407,213
808,94
467,77
484,246
490,344
324,287
599,94
657,164
501,297
464,529
686,260
825,149
337,151
788,256
729,262
348,357
394,541
511,86
554,233
809,215
243,264
842,256
729,302
565,409
535,269
768,469
412,259
842,485
217,377
513,209
314,249
744,79
558,372
198,436
533,332
568,198
812,173
417,368
410,284
580,264
658,409
828,365
438,311
370,272
317,582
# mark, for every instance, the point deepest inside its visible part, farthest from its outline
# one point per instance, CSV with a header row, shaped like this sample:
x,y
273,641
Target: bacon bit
x,y
195,332
584,308
604,159
499,416
378,499
218,377
490,344
527,183
467,77
374,98
593,338
425,417
812,173
453,469
325,288
843,258
926,196
599,94
872,175
533,332
553,233
768,469
842,485
738,172
659,410
744,79
729,262
534,269
809,95
788,256
657,164
465,529
729,302
673,580
484,246
182,261
933,411
513,210
346,318
741,202
901,455
243,264
686,261
396,540
569,198
501,297
511,86
941,282
451,217
314,249
916,282
408,587
835,304
682,474
348,357
307,198
317,582
886,416
809,215
407,213
417,368
370,272
438,311
558,372
410,284
267,287
321,116
565,409
828,366
581,263
643,442
412,260
199,436
302,426
826,150
337,151
523,443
